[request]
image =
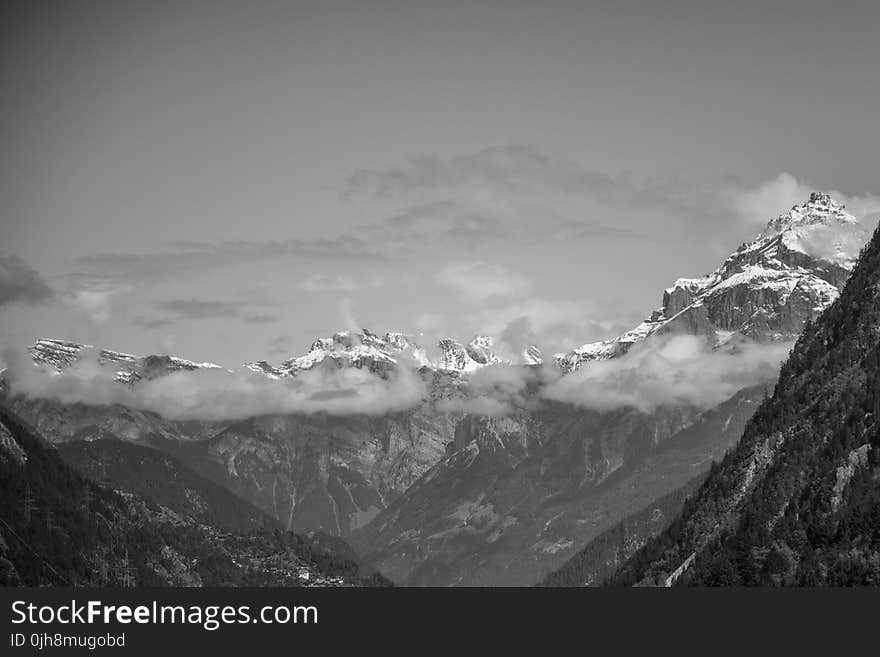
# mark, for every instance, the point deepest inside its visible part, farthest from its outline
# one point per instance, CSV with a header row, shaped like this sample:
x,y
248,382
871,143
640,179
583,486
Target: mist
x,y
672,370
681,369
498,390
218,394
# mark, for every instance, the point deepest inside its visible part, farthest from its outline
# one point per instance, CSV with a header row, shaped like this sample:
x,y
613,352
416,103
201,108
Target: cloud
x,y
512,196
349,322
504,195
552,325
153,322
497,390
663,371
260,318
505,169
478,282
216,394
757,205
669,371
281,345
198,309
320,282
20,283
93,296
180,257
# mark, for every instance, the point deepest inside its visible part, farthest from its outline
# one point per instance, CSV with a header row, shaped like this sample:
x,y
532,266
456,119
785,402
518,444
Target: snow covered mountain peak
x,y
380,353
61,354
766,290
820,209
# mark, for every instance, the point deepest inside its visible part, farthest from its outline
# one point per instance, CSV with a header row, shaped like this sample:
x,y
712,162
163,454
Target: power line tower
x,y
50,520
28,504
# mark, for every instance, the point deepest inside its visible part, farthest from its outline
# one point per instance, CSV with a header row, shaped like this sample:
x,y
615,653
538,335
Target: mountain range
x,y
441,494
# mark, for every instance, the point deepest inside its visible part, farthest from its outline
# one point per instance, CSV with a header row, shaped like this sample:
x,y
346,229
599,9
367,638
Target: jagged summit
x,y
819,209
767,289
363,349
379,353
61,354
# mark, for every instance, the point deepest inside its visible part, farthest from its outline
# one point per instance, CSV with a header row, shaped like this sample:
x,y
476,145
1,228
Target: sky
x,y
229,181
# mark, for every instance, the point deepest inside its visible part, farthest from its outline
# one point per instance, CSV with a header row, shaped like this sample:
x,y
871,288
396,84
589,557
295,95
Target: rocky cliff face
x,y
766,290
333,474
61,354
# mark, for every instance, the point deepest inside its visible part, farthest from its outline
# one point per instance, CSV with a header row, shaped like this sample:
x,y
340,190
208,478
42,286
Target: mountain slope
x,y
59,528
797,501
158,477
602,556
518,496
311,472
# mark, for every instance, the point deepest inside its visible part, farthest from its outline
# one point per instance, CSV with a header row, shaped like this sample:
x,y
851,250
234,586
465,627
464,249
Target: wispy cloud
x,y
509,195
281,345
502,169
320,282
92,296
479,281
755,205
180,257
176,310
260,318
199,308
20,283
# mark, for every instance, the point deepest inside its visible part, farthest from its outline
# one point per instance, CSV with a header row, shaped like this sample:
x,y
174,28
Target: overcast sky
x,y
228,181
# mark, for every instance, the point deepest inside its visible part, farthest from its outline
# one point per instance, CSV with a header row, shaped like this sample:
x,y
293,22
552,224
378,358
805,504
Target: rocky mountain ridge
x,y
766,290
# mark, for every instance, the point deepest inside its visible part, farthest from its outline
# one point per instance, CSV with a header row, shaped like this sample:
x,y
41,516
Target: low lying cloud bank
x,y
663,371
497,390
216,394
681,369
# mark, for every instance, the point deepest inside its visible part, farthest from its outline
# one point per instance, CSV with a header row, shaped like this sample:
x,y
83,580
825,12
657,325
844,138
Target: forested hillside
x,y
58,527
